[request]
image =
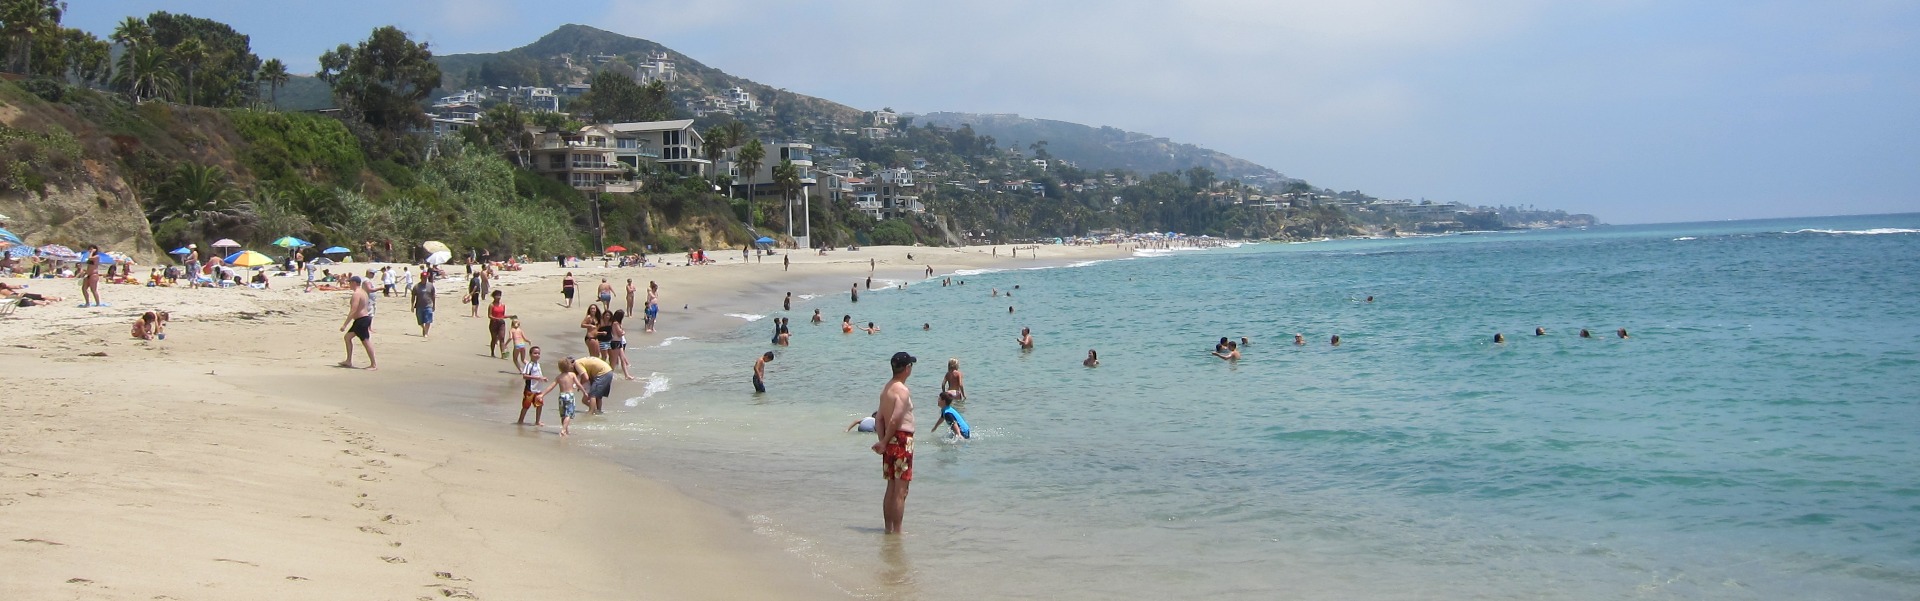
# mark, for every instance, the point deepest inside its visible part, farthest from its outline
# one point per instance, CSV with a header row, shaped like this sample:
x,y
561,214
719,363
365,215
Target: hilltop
x,y
1101,148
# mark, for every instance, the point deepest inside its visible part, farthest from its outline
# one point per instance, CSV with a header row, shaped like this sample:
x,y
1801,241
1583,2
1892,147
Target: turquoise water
x,y
1752,440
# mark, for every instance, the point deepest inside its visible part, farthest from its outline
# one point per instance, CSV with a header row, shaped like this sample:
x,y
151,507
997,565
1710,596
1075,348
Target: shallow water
x,y
1750,441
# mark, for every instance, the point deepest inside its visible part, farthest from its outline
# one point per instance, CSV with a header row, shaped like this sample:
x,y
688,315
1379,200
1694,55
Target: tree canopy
x,y
616,98
383,80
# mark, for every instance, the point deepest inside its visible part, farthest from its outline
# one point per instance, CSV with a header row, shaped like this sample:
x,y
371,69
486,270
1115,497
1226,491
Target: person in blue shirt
x,y
951,418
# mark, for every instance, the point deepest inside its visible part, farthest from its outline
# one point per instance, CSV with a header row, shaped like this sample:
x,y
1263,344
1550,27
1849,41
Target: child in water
x,y
951,418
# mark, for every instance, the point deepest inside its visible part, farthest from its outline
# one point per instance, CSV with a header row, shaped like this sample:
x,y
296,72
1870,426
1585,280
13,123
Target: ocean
x,y
1752,439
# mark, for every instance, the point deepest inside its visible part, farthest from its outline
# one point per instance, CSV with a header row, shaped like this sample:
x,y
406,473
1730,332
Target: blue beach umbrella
x,y
179,251
19,251
105,259
10,236
336,250
764,240
291,242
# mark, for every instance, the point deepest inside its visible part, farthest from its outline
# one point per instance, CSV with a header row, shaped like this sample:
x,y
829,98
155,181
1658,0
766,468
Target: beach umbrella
x,y
179,251
120,257
247,258
58,252
439,257
435,246
226,243
616,249
334,250
19,251
8,236
105,258
764,240
291,242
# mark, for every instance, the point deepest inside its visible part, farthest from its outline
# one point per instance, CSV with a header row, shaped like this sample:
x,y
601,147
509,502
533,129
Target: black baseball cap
x,y
902,359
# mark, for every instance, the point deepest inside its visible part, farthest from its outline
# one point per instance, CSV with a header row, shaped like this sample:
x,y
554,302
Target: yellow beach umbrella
x,y
434,246
247,258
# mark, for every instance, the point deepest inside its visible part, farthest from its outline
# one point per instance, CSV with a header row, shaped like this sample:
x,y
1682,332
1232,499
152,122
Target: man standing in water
x,y
360,318
894,425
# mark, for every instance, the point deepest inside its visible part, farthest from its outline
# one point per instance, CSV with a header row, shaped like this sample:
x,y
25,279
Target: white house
x,y
656,68
673,146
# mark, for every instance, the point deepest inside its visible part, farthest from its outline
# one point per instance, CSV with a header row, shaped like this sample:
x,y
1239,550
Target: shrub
x,y
32,160
47,89
288,145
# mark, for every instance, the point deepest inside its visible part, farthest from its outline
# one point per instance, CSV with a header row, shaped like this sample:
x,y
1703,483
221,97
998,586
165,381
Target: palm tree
x,y
23,20
132,33
274,74
190,52
143,73
786,179
713,144
194,193
736,133
749,160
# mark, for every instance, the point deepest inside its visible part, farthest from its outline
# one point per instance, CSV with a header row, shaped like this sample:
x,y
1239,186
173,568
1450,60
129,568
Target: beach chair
x,y
7,305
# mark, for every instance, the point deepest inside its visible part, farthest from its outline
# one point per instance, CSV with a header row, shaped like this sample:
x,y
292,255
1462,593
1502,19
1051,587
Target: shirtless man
x,y
760,372
360,317
1232,354
816,317
954,381
1026,339
894,426
605,295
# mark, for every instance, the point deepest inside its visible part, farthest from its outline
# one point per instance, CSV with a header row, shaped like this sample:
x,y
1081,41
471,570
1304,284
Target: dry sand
x,y
234,461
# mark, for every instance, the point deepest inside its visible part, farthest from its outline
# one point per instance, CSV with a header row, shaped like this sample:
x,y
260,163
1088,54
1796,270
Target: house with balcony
x,y
534,99
657,67
893,194
761,180
583,160
669,146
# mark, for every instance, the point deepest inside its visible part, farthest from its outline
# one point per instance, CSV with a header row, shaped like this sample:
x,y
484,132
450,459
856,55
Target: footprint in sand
x,y
377,463
369,478
391,559
372,530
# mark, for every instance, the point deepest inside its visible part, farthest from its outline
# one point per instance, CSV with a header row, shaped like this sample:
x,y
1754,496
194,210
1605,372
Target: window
x,y
557,161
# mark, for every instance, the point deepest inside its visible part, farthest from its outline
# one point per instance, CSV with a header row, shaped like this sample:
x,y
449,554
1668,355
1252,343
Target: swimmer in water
x,y
1336,340
926,327
1622,333
1538,331
1299,340
1369,298
816,317
846,324
1232,354
1009,309
865,424
1220,347
1244,343
1499,338
871,329
1026,339
1093,359
1585,334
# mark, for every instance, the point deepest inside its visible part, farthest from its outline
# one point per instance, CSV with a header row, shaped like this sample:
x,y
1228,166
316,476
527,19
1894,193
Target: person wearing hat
x,y
894,426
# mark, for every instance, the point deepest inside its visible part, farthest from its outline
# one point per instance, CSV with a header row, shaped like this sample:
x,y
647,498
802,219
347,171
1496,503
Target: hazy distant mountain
x,y
1103,147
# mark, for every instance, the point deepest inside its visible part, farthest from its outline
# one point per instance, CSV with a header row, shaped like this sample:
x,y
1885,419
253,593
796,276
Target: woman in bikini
x,y
589,324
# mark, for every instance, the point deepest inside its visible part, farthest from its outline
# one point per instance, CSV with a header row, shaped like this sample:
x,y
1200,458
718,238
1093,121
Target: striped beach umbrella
x,y
248,258
8,236
291,242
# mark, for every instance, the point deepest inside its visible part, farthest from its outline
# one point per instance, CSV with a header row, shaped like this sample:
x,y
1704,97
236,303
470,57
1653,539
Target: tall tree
x,y
749,159
224,75
132,32
615,98
382,81
713,143
274,74
21,21
786,180
190,53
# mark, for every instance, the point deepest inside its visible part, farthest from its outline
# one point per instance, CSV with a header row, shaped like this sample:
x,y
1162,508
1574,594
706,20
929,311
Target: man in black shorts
x,y
359,323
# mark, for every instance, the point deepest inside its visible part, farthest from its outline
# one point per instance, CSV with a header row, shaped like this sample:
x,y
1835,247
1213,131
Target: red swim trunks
x,y
528,399
896,459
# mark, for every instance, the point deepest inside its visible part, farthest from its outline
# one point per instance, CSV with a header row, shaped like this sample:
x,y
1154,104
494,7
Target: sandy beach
x,y
234,460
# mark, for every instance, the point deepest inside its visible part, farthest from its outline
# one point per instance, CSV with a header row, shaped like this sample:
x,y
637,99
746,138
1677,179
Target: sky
x,y
1635,111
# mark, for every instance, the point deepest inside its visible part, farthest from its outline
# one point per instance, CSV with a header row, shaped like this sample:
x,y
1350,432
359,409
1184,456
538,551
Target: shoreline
x,y
231,459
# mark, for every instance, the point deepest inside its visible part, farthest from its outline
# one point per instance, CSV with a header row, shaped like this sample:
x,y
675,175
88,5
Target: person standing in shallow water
x,y
894,428
856,293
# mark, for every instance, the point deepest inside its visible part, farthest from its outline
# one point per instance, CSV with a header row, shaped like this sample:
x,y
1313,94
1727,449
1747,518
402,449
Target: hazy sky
x,y
1637,111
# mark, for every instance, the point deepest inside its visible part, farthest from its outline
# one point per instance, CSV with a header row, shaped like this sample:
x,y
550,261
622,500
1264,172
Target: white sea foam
x,y
1872,232
670,340
747,316
968,272
655,384
807,296
1684,238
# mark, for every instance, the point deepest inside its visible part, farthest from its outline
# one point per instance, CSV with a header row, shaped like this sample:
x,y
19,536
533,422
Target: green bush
x,y
294,145
394,173
893,232
32,160
47,89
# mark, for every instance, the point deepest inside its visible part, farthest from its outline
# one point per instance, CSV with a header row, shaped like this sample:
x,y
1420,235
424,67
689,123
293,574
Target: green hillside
x,y
1103,147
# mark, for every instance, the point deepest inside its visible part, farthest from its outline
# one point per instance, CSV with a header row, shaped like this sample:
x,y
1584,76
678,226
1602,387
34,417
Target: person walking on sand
x,y
518,338
786,263
474,287
531,396
894,428
760,372
423,303
630,291
497,327
566,289
359,323
569,385
591,323
954,381
605,295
